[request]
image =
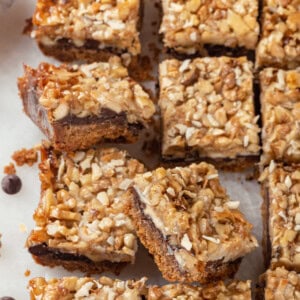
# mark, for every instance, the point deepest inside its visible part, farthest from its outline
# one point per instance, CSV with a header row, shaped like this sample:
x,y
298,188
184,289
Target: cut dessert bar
x,y
69,288
80,220
207,107
281,284
77,107
280,108
279,45
87,30
218,290
281,188
185,219
188,25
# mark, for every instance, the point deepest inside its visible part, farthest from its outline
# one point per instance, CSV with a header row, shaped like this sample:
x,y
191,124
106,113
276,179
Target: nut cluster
x,y
279,44
112,23
86,288
280,102
82,207
83,91
282,283
207,108
188,25
283,187
194,214
234,290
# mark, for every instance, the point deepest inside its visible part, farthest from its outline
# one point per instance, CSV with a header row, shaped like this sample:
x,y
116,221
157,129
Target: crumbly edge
x,y
195,132
153,240
280,111
237,28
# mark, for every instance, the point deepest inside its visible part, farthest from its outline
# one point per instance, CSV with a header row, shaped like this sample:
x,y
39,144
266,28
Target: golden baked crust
x,y
186,220
281,185
80,216
109,24
188,25
68,288
207,107
280,108
279,43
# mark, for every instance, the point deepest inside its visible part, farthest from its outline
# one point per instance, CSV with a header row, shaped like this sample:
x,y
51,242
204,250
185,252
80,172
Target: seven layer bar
x,y
279,45
280,108
77,107
185,219
188,25
281,189
80,220
89,30
207,107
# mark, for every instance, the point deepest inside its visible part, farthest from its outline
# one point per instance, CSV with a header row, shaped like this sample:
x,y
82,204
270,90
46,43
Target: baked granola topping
x,y
234,290
81,209
283,187
279,44
86,288
280,105
188,25
194,215
208,108
83,91
112,23
282,285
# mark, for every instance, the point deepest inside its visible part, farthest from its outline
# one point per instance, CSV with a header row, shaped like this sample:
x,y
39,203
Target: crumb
x,y
28,26
22,228
250,177
154,50
9,169
27,273
25,156
150,146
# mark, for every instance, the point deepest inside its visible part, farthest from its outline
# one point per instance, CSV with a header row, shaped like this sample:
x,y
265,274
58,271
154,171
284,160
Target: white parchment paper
x,y
17,131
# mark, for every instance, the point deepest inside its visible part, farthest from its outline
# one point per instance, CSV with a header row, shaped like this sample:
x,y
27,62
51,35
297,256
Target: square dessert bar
x,y
189,25
80,220
185,219
79,106
279,44
69,288
280,108
281,211
207,107
281,284
234,290
87,30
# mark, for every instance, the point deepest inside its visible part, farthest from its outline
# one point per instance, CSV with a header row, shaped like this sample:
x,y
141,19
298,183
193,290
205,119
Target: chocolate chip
x,y
7,298
11,184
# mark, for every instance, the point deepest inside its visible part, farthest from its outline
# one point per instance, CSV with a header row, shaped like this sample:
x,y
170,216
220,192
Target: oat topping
x,y
186,218
282,285
279,45
234,290
86,288
283,189
208,108
111,23
85,90
188,25
81,208
280,105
